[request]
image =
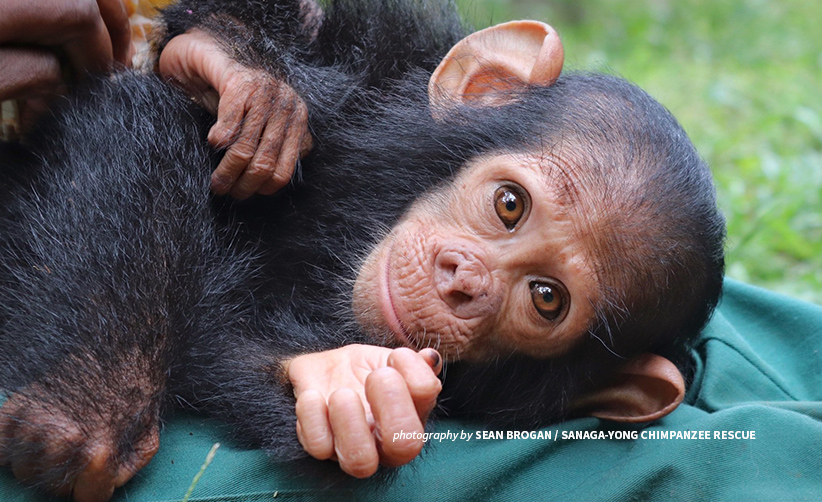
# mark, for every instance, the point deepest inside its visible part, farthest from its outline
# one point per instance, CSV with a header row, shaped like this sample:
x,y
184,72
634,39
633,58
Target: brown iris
x,y
548,299
509,205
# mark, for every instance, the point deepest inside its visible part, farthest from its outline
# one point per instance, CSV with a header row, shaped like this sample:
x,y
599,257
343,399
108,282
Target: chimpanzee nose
x,y
464,283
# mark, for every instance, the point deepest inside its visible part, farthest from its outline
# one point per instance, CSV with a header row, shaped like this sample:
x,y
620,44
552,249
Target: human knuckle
x,y
43,70
79,15
298,366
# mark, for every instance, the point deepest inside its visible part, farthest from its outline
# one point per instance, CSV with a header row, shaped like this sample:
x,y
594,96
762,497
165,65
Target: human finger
x,y
398,428
46,22
27,72
313,428
77,26
354,444
115,19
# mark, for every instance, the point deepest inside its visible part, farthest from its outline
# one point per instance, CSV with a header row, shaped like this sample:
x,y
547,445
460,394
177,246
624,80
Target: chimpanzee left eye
x,y
548,299
509,204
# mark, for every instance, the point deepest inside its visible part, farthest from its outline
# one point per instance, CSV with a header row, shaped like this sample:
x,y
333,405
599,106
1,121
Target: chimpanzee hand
x,y
351,401
91,33
260,120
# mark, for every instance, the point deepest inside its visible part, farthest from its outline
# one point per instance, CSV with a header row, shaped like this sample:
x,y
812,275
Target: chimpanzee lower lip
x,y
387,302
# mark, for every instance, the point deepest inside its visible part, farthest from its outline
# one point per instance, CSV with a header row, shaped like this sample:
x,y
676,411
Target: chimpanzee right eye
x,y
510,205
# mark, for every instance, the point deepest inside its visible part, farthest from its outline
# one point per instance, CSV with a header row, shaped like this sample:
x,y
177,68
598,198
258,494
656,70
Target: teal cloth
x,y
759,369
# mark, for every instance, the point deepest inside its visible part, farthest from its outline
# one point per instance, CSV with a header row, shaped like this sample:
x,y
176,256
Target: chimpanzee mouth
x,y
389,311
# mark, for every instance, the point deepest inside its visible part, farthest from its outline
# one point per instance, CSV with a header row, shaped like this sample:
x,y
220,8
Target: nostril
x,y
448,263
459,298
464,283
450,269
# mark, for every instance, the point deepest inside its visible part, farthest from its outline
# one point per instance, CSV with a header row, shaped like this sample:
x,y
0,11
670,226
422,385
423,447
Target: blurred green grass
x,y
745,79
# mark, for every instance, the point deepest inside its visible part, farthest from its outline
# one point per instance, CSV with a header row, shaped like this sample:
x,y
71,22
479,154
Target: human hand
x,y
351,401
261,122
93,35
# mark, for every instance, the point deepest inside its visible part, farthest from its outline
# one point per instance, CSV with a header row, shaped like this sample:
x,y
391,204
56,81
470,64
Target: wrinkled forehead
x,y
594,206
572,175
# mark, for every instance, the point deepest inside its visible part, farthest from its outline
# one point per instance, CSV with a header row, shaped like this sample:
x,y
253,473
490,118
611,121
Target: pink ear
x,y
483,65
646,388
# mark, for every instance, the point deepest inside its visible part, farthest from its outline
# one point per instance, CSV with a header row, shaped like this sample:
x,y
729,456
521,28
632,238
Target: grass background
x,y
745,79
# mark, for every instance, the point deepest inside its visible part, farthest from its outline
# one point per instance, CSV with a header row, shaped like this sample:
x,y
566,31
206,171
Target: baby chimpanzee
x,y
555,240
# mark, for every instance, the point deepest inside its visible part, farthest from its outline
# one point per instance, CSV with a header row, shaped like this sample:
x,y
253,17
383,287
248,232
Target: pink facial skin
x,y
455,276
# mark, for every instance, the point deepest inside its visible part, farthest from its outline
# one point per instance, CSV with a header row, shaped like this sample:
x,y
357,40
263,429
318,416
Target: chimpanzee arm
x,y
255,33
108,244
350,401
235,57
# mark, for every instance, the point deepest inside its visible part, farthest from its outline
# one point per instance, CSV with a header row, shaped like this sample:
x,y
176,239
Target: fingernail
x,y
435,358
220,185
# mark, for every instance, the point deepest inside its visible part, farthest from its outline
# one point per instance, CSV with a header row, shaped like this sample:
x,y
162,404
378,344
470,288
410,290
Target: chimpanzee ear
x,y
646,388
485,64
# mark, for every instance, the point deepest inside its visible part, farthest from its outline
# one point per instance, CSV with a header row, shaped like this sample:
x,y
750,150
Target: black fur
x,y
115,260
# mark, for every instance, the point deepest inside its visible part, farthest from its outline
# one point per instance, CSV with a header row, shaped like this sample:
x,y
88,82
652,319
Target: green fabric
x,y
759,369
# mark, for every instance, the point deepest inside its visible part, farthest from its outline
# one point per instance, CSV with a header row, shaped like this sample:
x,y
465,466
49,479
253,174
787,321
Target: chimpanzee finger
x,y
41,441
142,450
423,384
434,359
27,71
313,429
231,110
7,427
354,443
307,142
115,18
234,169
96,482
398,427
271,155
192,62
297,144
